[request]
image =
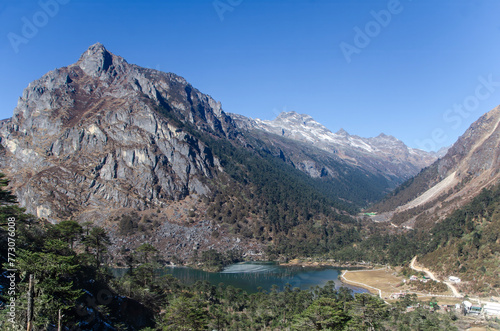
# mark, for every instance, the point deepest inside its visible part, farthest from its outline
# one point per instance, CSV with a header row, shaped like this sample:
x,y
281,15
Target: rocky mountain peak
x,y
97,60
386,139
112,130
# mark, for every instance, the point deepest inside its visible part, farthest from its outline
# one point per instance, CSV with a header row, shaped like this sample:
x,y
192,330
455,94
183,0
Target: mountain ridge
x,y
383,154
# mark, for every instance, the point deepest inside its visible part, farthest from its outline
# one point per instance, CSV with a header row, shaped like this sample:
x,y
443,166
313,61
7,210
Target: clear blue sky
x,y
262,57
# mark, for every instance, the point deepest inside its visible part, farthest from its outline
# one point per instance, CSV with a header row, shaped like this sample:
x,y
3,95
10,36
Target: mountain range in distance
x,y
148,156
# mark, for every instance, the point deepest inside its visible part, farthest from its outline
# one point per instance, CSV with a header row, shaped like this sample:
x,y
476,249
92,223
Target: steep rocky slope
x,y
90,135
471,164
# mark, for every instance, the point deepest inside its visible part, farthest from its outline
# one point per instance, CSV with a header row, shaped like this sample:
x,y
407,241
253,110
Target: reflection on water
x,y
249,276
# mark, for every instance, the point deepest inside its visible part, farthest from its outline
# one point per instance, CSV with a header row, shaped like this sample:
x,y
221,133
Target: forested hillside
x,y
71,288
466,244
262,197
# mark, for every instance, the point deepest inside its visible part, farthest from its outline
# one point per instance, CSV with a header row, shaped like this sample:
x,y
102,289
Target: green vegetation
x,y
132,223
70,286
261,196
430,286
266,199
466,244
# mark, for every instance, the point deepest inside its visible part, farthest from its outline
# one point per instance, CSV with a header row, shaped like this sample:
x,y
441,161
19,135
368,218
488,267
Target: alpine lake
x,y
255,276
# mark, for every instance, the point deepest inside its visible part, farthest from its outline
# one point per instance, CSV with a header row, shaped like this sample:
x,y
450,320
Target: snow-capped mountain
x,y
383,154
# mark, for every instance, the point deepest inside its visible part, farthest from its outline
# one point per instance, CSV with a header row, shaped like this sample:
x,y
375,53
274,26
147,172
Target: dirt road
x,y
433,277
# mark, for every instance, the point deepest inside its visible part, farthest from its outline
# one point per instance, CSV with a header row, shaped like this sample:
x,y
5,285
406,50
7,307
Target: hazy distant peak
x,y
293,116
287,114
342,132
442,151
388,137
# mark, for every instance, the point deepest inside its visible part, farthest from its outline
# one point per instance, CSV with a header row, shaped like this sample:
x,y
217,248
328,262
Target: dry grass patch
x,y
382,279
387,281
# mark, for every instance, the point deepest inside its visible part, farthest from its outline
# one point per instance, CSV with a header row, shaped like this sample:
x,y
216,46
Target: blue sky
x,y
419,70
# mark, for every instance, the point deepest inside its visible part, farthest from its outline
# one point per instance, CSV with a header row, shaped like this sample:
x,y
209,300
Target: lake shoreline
x,y
321,264
250,276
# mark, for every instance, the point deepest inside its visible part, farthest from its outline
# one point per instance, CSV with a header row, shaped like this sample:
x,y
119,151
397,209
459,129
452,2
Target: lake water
x,y
249,276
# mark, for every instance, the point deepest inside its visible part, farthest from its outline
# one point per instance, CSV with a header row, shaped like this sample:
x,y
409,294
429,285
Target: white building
x,y
454,279
491,308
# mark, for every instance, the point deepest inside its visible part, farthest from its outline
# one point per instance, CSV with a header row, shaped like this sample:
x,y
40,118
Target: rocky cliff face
x,y
98,134
381,155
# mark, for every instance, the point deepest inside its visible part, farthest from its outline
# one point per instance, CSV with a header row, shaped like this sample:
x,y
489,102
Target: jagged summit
x,y
95,50
97,60
99,138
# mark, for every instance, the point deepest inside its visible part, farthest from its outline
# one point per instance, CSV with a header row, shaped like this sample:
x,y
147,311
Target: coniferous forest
x,y
61,281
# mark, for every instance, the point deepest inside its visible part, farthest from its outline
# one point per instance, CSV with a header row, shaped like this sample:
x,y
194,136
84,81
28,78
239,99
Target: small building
x,y
491,308
454,279
413,277
471,309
